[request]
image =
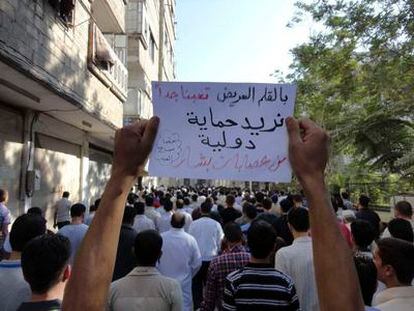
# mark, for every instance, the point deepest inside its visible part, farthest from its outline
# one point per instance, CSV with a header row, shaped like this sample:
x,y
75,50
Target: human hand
x,y
133,144
308,150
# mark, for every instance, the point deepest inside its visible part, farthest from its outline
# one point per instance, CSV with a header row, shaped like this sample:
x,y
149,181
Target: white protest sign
x,y
232,131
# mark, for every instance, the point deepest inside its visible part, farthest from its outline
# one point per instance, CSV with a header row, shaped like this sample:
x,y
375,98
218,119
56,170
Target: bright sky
x,y
235,40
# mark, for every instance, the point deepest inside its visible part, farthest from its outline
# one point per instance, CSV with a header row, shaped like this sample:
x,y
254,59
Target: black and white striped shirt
x,y
259,287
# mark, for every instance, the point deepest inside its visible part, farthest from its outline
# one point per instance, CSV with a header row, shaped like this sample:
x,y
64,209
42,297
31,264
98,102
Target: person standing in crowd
x,y
142,222
282,227
76,230
150,211
45,265
296,260
144,288
4,219
230,214
250,213
258,285
402,210
125,257
347,203
267,215
394,260
62,211
179,204
13,288
183,267
234,257
366,213
187,206
92,211
401,229
367,275
363,234
164,223
208,234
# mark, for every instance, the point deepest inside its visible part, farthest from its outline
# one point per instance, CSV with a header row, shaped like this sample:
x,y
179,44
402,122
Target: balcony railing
x,y
105,64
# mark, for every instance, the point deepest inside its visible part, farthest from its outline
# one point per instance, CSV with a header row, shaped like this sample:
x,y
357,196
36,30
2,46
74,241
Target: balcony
x,y
105,64
136,21
109,15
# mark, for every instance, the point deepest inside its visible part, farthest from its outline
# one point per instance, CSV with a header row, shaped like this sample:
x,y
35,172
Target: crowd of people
x,y
209,248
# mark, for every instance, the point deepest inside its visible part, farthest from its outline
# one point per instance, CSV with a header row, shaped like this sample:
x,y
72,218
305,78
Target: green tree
x,y
356,78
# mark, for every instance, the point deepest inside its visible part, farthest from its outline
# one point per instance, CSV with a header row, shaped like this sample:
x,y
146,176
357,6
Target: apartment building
x,y
150,25
63,84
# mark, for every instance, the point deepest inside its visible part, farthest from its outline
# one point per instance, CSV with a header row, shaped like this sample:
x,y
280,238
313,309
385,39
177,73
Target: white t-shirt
x,y
75,233
63,210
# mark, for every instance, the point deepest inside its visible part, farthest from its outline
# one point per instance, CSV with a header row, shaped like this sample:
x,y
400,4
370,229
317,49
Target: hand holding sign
x,y
222,130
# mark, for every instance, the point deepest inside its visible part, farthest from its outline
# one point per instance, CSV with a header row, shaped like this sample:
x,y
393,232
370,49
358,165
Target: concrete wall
x,y
11,146
34,39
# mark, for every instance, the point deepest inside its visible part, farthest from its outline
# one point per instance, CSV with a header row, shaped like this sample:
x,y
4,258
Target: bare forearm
x,y
337,282
97,253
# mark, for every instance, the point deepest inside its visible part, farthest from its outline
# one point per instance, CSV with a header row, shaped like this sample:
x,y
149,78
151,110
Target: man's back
x,y
13,288
75,234
125,257
144,288
230,214
259,287
370,216
183,267
297,262
282,229
164,222
395,299
63,210
219,268
208,234
142,222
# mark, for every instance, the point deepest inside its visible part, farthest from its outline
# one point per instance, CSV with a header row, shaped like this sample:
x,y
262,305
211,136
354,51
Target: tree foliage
x,y
356,78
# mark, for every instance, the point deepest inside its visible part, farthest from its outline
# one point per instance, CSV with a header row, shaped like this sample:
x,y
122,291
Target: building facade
x,y
150,25
63,84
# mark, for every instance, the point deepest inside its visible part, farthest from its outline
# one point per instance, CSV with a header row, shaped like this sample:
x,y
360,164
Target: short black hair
x,y
233,232
404,208
148,244
250,211
259,196
77,210
168,205
149,200
35,211
97,203
286,205
230,199
65,194
298,218
399,254
194,197
129,214
363,233
186,201
3,194
177,220
139,208
401,229
267,204
261,239
25,228
206,207
364,200
43,260
367,275
345,195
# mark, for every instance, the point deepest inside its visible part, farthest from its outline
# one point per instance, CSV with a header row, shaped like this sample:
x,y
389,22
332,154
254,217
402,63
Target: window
x,y
64,8
152,47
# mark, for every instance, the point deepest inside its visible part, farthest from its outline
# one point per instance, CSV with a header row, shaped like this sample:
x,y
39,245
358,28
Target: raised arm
x,y
336,277
88,286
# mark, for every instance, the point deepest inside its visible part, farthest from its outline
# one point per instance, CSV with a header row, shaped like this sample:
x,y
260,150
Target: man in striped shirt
x,y
258,286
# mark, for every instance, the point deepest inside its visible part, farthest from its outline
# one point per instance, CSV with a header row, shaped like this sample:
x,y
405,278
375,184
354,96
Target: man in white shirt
x,y
179,204
164,223
62,211
187,206
403,210
76,230
183,267
296,260
394,259
142,222
208,234
150,211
